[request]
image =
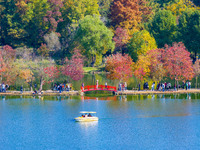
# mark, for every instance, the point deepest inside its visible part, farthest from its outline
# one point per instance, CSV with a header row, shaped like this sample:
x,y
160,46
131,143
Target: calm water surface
x,y
125,122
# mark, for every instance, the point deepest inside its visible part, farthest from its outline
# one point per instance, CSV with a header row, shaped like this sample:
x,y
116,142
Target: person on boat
x,y
82,116
89,115
86,115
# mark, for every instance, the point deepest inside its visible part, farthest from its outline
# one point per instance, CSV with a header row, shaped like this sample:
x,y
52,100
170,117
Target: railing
x,y
100,88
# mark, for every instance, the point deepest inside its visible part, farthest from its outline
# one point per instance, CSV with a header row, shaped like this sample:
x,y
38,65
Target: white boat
x,y
87,116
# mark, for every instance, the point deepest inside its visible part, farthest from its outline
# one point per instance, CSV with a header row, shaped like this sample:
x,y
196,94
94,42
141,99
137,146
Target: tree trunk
x,y
177,85
196,81
41,83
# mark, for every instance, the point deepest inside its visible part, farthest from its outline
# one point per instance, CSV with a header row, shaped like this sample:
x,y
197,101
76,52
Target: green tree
x,y
163,27
94,37
37,27
13,23
189,30
140,43
74,10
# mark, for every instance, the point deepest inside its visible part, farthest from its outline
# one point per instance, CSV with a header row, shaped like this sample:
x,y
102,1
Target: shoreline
x,y
76,93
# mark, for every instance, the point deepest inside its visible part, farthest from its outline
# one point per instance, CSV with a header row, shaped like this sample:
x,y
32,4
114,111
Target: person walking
x,y
139,87
106,86
163,87
21,89
125,85
3,87
97,84
186,85
82,86
152,87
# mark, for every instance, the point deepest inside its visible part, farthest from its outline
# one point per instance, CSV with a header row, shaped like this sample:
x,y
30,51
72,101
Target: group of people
x,y
166,86
163,86
3,87
89,115
122,86
62,87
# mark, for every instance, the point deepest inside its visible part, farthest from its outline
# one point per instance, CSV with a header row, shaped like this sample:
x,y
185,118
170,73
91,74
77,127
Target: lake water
x,y
125,122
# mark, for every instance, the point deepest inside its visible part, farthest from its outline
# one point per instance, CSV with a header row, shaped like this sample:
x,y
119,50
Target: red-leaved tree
x,y
74,67
53,16
120,38
178,63
52,73
8,73
119,66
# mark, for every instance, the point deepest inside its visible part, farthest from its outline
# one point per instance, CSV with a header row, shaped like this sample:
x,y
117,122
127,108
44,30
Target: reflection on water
x,y
88,125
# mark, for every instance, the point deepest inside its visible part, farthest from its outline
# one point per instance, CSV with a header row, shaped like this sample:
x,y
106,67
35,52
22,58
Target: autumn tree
x,y
163,27
53,15
141,68
94,38
140,43
119,67
52,73
43,51
128,13
178,63
8,56
157,70
73,68
196,67
180,6
121,38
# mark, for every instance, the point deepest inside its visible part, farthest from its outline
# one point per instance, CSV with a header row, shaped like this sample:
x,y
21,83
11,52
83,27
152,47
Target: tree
x,y
120,38
128,13
53,42
43,51
189,30
196,67
157,70
74,10
163,27
178,63
119,67
74,67
13,23
196,2
38,68
180,6
141,68
104,9
52,73
8,55
53,15
94,37
140,43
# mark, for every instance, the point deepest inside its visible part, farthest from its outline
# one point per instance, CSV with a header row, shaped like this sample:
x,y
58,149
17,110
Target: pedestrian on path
x,y
21,89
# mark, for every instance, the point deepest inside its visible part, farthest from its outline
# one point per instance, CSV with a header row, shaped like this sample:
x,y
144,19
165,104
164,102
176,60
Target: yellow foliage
x,y
26,74
179,7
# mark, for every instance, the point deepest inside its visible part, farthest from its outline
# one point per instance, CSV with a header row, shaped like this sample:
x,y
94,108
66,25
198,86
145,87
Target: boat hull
x,y
86,119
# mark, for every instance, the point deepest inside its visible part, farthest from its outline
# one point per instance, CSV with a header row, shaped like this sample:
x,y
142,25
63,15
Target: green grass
x,y
91,69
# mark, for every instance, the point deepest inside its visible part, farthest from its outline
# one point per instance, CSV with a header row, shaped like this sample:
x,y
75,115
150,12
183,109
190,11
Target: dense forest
x,y
45,38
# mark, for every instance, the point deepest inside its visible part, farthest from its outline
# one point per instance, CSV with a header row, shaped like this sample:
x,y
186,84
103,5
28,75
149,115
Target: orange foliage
x,y
128,13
